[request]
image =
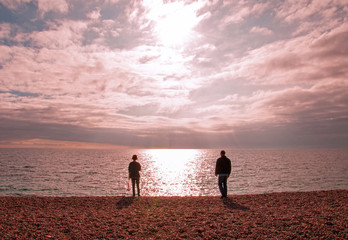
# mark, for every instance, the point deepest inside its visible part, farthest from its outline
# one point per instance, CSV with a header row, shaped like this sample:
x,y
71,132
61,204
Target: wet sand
x,y
310,215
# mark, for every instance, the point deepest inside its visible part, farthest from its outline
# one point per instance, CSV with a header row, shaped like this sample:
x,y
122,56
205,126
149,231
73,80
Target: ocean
x,y
168,172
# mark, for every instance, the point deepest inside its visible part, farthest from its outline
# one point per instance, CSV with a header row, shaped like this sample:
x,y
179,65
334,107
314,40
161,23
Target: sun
x,y
176,27
174,22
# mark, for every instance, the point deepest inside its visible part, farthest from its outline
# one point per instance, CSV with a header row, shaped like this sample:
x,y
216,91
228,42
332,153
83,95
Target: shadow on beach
x,y
124,202
232,205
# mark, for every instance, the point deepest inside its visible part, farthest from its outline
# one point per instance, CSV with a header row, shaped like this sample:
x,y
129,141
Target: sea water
x,y
168,172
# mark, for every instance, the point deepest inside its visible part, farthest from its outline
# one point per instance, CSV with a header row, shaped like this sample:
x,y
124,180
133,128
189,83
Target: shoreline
x,y
314,214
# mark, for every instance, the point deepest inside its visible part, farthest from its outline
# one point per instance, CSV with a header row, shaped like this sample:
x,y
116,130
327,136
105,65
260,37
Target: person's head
x,y
222,153
135,157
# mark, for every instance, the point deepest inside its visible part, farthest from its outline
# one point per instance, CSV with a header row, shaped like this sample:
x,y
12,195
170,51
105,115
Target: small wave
x,y
28,167
24,190
48,190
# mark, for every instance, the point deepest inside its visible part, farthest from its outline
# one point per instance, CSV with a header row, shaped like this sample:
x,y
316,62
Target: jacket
x,y
133,169
223,165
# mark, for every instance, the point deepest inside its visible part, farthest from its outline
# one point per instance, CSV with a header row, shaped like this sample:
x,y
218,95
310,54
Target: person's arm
x,y
229,168
129,166
216,167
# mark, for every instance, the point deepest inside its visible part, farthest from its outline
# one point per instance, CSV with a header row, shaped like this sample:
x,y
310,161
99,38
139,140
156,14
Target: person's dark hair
x,y
135,157
223,152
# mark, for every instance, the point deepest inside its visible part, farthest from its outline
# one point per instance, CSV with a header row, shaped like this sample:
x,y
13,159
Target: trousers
x,y
223,185
135,181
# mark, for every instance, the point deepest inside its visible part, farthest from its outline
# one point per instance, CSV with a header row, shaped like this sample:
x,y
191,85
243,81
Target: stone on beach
x,y
318,214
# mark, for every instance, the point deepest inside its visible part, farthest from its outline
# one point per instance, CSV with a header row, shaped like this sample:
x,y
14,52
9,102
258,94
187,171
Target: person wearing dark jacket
x,y
133,170
223,170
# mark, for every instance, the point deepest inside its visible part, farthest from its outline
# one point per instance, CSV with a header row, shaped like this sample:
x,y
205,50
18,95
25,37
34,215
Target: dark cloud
x,y
327,101
143,110
146,59
268,135
332,46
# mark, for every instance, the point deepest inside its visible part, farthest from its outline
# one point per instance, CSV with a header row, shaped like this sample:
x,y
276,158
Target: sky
x,y
174,74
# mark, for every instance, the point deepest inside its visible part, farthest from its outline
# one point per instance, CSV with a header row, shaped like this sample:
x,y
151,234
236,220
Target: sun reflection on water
x,y
171,172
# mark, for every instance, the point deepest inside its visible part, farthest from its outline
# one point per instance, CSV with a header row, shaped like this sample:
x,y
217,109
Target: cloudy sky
x,y
174,74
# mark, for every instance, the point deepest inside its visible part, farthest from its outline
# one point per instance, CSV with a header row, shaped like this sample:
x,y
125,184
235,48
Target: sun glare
x,y
174,22
171,168
173,160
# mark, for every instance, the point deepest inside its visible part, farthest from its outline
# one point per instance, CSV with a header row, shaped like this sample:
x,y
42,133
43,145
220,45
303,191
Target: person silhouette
x,y
223,170
133,174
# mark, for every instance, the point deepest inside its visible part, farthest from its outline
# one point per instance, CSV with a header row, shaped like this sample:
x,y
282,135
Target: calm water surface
x,y
71,172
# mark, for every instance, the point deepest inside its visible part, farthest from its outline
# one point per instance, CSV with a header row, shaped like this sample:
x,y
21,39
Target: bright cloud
x,y
56,6
175,73
14,4
261,30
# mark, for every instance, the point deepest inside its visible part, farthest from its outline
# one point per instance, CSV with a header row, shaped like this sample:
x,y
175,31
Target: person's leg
x,y
221,186
224,183
133,186
138,185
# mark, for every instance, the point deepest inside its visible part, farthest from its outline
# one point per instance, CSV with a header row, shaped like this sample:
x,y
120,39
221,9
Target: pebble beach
x,y
288,215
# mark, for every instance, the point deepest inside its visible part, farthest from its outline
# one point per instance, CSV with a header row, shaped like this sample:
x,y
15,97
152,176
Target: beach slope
x,y
320,214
